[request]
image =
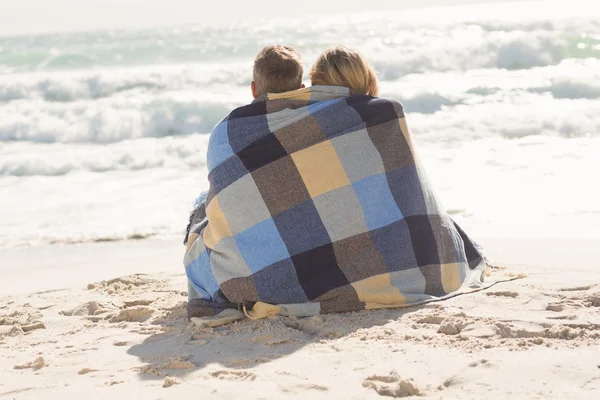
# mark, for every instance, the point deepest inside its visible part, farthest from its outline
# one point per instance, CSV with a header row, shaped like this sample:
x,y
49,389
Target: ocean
x,y
103,134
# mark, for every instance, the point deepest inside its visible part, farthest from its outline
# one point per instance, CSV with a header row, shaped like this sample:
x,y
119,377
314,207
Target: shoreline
x,y
79,263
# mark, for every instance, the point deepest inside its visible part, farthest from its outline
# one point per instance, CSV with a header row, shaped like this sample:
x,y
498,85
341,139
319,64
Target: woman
x,y
430,229
343,66
323,207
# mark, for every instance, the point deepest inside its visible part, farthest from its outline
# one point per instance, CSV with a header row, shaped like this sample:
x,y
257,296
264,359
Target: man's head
x,y
277,69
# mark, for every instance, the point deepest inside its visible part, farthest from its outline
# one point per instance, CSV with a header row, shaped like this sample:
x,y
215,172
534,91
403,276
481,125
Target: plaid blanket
x,y
319,204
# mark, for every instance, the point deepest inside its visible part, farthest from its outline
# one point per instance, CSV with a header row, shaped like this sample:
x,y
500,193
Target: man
x,y
277,69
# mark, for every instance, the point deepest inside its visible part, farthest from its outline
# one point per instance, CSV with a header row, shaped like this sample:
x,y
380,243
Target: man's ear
x,y
302,86
253,88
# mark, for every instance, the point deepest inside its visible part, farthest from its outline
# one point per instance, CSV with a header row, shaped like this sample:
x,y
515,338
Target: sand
x,y
107,321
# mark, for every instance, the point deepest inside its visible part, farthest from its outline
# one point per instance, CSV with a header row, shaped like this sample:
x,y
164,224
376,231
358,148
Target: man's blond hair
x,y
344,66
277,69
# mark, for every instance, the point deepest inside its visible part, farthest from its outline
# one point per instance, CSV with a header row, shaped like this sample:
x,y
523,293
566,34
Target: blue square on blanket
x,y
301,228
422,230
219,148
261,245
200,276
226,173
405,185
262,152
336,119
278,284
247,124
320,105
372,110
377,201
318,271
395,246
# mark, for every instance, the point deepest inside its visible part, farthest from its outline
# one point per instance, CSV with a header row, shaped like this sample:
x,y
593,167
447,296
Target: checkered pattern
x,y
316,196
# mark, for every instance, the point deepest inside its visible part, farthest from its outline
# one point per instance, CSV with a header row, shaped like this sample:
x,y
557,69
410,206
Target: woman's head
x,y
343,66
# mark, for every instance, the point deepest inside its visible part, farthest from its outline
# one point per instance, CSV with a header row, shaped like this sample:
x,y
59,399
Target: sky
x,y
23,17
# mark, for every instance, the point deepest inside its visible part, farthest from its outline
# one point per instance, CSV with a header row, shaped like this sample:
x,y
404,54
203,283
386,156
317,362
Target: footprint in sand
x,y
170,381
576,299
133,314
503,294
482,362
271,340
245,362
126,284
480,330
162,369
563,317
521,330
431,319
18,320
36,364
302,387
468,375
33,327
84,371
577,288
11,330
392,385
593,300
92,309
232,375
178,363
555,307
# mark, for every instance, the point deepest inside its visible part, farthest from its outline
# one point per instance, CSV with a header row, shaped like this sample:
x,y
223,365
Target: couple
x,y
318,202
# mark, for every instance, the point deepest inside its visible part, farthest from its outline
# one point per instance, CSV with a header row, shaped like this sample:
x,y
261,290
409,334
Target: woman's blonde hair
x,y
343,66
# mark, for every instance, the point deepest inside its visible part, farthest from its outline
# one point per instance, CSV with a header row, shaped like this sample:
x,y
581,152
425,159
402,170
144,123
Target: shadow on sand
x,y
181,348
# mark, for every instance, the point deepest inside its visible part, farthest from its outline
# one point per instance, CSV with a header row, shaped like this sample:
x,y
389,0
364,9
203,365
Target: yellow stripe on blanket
x,y
320,168
406,133
261,310
378,290
191,240
218,227
300,94
451,277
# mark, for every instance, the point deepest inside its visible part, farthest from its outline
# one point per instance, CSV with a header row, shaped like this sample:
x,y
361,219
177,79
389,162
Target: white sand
x,y
537,337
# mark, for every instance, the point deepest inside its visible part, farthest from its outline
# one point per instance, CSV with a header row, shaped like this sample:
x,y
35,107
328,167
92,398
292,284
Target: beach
x,y
113,332
103,141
